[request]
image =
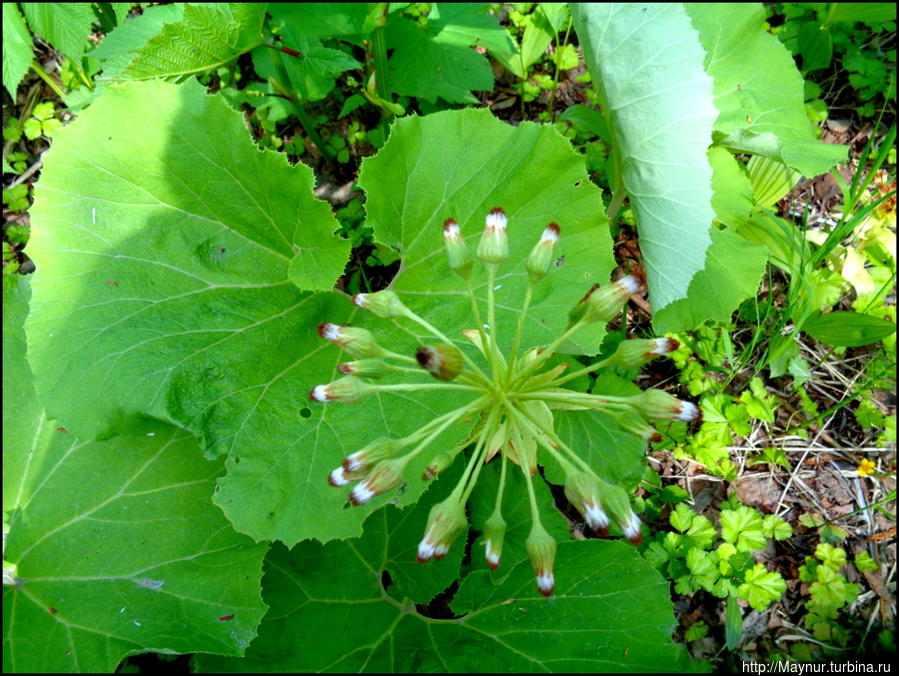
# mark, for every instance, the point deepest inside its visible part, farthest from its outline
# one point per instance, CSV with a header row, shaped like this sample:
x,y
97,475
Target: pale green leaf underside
x,y
648,62
758,90
120,552
163,289
733,266
330,613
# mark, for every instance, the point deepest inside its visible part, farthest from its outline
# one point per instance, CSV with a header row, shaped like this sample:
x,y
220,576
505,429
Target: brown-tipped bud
x,y
583,491
659,406
632,354
367,368
605,303
618,505
385,476
341,477
438,464
442,361
458,257
445,521
541,257
493,249
357,342
632,423
541,547
494,534
347,390
385,304
377,450
577,313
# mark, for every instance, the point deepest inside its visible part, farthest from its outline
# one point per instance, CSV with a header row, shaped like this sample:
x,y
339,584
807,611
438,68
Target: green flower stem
x,y
414,387
502,485
36,67
480,322
479,455
455,414
402,357
493,345
550,433
532,497
447,420
379,49
576,399
466,379
528,294
463,487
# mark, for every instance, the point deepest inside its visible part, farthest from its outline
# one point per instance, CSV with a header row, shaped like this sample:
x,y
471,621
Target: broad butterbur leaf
x,y
113,547
333,609
135,559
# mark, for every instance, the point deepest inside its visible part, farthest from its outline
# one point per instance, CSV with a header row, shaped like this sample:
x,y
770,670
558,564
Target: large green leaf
x,y
16,48
331,612
23,425
115,545
758,90
164,242
118,550
647,62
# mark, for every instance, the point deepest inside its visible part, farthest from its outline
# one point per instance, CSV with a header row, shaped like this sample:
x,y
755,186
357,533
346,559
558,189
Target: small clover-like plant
x,y
829,591
697,558
512,412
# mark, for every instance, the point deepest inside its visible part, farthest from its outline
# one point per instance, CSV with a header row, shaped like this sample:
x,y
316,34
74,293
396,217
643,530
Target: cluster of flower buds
x,y
512,398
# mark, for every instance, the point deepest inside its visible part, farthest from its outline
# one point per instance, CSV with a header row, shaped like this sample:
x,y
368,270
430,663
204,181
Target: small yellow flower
x,y
866,467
